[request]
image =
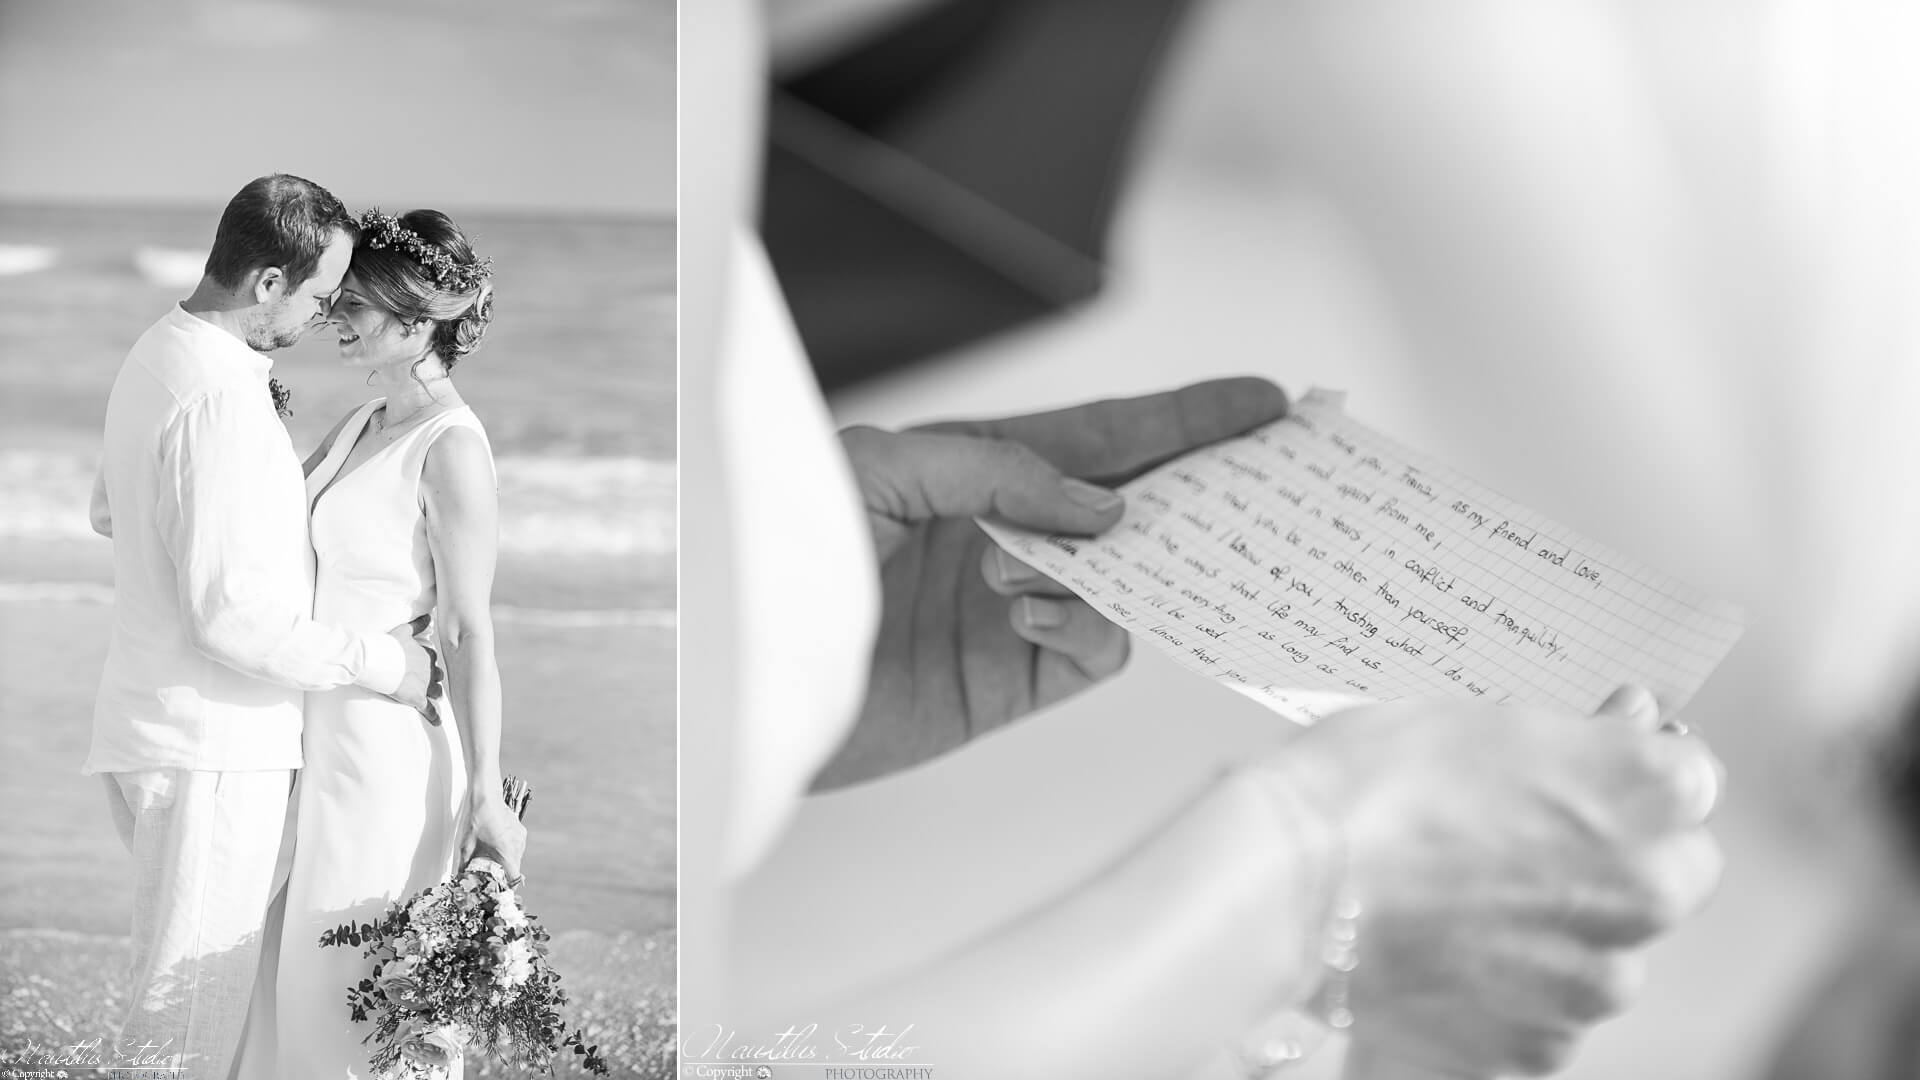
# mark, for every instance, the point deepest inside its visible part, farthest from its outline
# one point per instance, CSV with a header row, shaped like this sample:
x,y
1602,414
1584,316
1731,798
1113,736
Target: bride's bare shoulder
x,y
458,467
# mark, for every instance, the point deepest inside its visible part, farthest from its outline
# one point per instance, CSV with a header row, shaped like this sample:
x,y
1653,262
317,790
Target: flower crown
x,y
378,230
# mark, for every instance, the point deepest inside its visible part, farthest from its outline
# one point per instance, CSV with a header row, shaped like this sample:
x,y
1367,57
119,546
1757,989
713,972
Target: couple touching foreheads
x,y
277,748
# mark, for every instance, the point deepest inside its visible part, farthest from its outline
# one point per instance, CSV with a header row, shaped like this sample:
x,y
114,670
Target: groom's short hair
x,y
277,220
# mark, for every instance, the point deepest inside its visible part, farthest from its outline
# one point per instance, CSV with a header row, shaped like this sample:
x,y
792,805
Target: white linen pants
x,y
209,849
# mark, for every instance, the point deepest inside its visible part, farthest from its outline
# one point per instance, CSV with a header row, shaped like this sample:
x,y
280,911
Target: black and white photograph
x,y
959,539
1320,539
338,610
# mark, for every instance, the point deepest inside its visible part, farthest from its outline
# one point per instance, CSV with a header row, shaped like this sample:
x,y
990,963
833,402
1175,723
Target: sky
x,y
480,104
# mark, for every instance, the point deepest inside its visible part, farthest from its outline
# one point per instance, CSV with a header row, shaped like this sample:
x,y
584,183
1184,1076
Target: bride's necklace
x,y
386,427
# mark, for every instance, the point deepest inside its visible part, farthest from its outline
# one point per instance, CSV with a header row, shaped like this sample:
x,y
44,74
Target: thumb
x,y
1634,704
917,476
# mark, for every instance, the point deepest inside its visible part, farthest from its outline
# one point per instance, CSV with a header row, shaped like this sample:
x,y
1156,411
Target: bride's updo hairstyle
x,y
420,266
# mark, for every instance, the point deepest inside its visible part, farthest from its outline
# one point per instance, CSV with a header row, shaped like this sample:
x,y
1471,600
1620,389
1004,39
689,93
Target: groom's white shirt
x,y
213,640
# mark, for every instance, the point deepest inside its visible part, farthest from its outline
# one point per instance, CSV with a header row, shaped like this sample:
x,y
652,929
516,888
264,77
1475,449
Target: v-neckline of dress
x,y
359,431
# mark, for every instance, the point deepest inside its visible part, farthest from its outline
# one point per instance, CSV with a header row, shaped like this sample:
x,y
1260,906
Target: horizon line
x,y
502,210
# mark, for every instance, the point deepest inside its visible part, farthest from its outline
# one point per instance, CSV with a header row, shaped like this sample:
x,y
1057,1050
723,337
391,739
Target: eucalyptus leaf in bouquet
x,y
461,966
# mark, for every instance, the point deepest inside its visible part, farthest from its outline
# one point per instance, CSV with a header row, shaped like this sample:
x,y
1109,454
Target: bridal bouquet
x,y
457,965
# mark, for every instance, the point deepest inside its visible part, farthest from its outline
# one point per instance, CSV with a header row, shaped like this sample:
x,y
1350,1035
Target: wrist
x,y
484,789
1320,839
1314,905
1332,1002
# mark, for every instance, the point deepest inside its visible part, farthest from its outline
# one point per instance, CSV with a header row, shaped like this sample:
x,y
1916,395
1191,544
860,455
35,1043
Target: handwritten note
x,y
1314,563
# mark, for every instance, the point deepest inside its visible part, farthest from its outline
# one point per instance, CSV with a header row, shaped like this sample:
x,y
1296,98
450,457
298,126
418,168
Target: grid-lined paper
x,y
1313,562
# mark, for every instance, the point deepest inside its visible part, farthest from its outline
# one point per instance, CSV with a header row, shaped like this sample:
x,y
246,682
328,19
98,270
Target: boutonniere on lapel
x,y
281,395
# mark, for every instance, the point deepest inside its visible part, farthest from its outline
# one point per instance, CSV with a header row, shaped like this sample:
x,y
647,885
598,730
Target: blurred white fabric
x,y
808,591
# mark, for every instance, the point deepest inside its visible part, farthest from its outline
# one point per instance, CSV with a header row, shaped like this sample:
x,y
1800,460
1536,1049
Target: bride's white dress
x,y
382,791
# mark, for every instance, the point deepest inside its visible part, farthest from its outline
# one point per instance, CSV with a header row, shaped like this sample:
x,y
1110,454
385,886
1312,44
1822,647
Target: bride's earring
x,y
426,347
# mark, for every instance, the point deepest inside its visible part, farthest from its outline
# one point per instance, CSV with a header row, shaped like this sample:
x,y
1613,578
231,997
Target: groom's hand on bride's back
x,y
970,641
423,679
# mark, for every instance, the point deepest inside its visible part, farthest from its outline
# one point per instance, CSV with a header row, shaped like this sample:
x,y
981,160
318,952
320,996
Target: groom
x,y
196,730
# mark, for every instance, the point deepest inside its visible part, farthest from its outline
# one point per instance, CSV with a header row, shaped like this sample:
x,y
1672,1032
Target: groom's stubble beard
x,y
278,341
264,337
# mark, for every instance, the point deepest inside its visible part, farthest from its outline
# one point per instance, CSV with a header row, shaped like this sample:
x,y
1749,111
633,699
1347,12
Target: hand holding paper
x,y
1509,863
1312,563
949,666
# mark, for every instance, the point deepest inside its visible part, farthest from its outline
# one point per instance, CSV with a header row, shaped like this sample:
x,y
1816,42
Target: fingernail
x,y
1098,499
1011,571
1630,701
1701,786
1715,781
1038,613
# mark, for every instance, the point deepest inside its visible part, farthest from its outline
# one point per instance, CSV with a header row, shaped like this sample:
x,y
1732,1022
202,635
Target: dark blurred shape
x,y
1861,1020
955,176
1897,765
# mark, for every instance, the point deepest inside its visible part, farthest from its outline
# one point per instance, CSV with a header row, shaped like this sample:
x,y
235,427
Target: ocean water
x,y
575,384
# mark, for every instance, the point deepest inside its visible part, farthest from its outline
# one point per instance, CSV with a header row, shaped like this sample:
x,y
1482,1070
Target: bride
x,y
402,499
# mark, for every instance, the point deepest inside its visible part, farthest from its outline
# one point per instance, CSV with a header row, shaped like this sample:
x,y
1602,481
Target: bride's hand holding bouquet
x,y
461,964
493,828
